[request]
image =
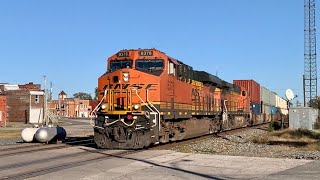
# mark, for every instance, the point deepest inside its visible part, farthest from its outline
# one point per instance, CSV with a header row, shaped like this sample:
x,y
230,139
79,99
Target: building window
x,y
37,99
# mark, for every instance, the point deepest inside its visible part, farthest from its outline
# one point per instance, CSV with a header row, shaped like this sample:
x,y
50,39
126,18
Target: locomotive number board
x,y
146,53
123,54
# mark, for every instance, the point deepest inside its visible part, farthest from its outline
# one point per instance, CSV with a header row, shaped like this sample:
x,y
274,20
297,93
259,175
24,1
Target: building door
x,y
36,116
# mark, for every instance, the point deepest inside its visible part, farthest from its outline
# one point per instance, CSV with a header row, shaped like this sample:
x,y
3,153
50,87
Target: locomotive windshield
x,y
115,65
150,64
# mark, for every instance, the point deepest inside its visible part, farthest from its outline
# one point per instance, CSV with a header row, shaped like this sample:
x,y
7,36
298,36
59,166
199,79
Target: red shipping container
x,y
252,87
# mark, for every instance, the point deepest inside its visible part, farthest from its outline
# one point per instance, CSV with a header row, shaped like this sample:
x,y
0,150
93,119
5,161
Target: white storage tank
x,y
27,134
50,134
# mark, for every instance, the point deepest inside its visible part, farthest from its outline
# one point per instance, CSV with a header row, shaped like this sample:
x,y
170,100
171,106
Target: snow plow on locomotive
x,y
147,97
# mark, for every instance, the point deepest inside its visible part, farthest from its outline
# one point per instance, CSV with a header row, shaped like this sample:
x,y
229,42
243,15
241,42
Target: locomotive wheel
x,y
100,139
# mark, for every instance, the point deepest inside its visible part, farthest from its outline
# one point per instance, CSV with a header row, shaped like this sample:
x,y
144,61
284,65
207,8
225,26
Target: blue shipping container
x,y
273,110
256,108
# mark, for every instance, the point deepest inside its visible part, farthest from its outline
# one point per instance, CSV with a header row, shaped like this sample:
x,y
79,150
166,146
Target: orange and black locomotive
x,y
147,97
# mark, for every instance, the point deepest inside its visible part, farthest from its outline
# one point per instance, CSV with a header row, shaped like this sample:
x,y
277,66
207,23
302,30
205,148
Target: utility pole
x,y
45,102
50,94
310,63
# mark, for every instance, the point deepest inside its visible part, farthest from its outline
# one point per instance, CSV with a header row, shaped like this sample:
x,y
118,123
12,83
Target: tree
x,y
96,93
314,103
82,95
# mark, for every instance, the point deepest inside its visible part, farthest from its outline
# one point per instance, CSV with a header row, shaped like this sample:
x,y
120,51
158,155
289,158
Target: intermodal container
x,y
284,111
273,98
256,108
280,102
273,110
252,87
265,109
265,95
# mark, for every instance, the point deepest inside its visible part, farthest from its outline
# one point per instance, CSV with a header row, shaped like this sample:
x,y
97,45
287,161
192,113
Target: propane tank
x,y
50,134
27,134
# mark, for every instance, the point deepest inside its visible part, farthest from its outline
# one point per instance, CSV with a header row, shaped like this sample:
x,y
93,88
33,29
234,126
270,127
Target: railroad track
x,y
30,148
87,157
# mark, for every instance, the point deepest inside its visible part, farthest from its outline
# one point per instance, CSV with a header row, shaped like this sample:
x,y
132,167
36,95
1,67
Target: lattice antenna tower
x,y
310,64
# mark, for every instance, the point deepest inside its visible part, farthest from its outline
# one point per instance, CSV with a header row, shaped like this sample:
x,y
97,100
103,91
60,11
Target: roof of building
x,y
62,93
30,87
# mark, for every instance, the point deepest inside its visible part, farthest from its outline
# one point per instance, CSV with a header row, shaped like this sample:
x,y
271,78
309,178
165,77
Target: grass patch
x,y
301,138
260,139
313,146
9,133
297,134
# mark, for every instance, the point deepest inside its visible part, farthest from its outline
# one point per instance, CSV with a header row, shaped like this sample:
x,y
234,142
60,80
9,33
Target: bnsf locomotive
x,y
147,97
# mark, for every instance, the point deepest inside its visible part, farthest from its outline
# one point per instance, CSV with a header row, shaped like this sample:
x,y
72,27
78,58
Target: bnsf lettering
x,y
123,54
126,86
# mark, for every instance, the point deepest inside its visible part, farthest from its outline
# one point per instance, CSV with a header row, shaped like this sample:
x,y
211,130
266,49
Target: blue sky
x,y
69,41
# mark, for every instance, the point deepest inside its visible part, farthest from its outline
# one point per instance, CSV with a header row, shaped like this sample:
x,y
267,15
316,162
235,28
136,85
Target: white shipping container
x,y
281,103
273,98
284,111
265,95
266,109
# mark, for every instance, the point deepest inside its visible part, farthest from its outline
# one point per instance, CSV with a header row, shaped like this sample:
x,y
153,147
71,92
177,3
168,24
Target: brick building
x,y
24,103
70,107
3,110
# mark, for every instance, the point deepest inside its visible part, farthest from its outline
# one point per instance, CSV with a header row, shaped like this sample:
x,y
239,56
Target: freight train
x,y
147,97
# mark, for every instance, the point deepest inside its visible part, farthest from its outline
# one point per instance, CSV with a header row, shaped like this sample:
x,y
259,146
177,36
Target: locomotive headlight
x,y
136,106
125,77
103,106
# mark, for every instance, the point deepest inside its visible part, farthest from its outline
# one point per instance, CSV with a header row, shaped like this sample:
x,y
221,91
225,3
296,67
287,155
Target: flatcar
x,y
147,97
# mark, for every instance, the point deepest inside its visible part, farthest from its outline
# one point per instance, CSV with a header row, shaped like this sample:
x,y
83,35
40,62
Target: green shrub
x,y
274,126
317,125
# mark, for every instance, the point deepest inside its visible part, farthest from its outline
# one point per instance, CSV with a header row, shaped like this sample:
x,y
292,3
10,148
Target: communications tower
x,y
310,64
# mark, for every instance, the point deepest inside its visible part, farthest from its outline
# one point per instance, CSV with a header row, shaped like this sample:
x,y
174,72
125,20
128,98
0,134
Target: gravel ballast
x,y
240,144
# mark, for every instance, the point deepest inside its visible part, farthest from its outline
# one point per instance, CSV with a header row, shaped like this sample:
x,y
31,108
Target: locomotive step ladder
x,y
155,126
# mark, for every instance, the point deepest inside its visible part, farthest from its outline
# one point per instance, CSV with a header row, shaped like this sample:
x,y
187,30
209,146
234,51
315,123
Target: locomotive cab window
x,y
115,65
171,68
149,64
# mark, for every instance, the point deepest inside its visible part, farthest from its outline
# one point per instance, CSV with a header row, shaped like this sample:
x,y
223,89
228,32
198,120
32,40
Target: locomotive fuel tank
x,y
50,134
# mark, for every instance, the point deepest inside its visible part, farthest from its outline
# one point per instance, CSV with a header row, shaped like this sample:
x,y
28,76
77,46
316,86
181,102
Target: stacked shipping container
x,y
253,89
262,99
282,105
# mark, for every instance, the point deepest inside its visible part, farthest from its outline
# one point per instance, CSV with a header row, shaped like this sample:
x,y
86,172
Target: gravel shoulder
x,y
242,143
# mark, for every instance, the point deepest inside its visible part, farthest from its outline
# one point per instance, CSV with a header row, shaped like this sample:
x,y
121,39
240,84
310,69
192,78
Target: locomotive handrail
x,y
154,108
142,100
98,106
108,124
